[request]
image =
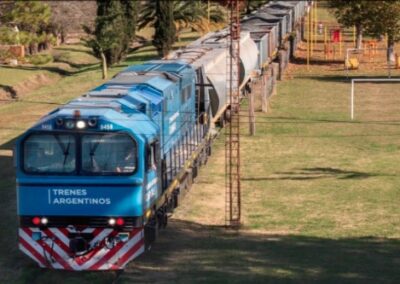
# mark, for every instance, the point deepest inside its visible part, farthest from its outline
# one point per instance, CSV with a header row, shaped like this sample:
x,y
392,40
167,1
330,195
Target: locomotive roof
x,y
125,94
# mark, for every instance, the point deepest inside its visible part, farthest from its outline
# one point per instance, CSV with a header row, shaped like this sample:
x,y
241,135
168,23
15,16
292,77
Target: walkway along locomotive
x,y
97,177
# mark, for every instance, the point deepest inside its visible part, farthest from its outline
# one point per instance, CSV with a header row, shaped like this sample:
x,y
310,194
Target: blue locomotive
x,y
97,177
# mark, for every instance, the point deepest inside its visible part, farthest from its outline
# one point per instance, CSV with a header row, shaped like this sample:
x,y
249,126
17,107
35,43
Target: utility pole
x,y
232,130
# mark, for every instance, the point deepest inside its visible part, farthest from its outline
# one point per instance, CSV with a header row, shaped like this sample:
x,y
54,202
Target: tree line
x,y
30,23
27,23
374,18
109,39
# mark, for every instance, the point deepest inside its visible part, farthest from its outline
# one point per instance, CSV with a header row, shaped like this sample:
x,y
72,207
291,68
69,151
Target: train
x,y
99,176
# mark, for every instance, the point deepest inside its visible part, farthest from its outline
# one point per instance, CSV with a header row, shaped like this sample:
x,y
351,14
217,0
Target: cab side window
x,y
186,93
152,156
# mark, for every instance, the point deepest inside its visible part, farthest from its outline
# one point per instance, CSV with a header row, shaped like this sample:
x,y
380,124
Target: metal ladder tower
x,y
232,130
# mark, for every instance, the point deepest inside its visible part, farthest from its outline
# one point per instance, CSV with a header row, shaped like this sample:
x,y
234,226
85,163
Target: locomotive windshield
x,y
108,153
83,154
50,153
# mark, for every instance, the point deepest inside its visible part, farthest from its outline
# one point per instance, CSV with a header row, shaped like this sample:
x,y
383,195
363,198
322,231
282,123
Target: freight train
x,y
98,177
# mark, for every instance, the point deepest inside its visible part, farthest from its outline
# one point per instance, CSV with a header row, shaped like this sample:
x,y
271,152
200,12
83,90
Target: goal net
x,y
375,100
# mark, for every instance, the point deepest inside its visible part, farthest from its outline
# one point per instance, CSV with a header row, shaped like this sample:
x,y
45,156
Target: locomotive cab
x,y
97,177
83,185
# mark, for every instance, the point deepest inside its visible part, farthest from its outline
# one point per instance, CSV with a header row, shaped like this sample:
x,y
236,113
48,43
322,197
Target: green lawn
x,y
319,197
8,78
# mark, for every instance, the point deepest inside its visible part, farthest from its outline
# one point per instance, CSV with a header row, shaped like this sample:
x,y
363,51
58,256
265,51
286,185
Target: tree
x,y
198,16
384,19
164,26
69,17
99,42
353,13
32,20
113,32
189,14
186,14
252,5
130,8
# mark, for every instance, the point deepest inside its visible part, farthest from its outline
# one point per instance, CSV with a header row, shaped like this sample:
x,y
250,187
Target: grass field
x,y
320,194
319,199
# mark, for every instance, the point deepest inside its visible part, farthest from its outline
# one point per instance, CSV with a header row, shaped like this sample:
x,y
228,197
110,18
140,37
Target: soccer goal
x,y
375,99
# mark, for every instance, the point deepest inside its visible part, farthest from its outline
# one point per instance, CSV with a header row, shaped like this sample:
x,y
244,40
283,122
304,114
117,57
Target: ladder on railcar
x,y
232,130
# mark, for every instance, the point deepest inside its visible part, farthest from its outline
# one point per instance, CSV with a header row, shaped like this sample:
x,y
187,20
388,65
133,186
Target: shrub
x,y
4,55
40,59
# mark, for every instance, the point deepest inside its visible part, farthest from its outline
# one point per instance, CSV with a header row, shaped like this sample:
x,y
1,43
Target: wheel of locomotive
x,y
151,231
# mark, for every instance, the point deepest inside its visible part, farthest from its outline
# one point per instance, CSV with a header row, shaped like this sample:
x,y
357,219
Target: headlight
x,y
80,124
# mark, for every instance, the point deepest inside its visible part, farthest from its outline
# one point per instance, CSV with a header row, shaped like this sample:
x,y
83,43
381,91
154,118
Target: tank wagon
x,y
98,177
209,56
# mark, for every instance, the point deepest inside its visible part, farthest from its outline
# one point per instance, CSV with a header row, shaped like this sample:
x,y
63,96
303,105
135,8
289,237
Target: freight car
x,y
208,55
97,177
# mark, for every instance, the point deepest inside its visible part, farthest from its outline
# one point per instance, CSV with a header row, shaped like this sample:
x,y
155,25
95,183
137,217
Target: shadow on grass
x,y
191,253
297,120
76,65
10,258
303,61
315,173
135,58
70,48
9,145
188,39
9,90
347,80
7,171
57,70
188,252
